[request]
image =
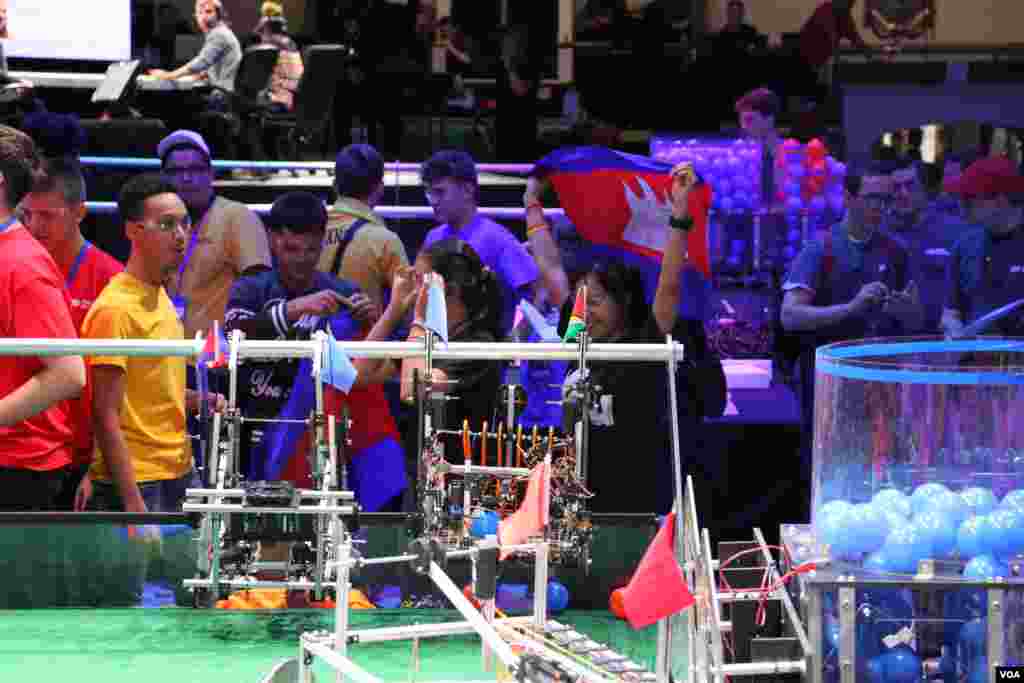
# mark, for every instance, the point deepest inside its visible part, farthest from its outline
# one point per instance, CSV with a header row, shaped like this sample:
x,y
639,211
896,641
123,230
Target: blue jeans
x,y
160,496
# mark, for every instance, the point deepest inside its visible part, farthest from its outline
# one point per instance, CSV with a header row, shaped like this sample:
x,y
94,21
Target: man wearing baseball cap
x,y
227,240
986,267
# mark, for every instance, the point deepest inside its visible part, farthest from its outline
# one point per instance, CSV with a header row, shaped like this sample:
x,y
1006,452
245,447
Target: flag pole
x,y
663,663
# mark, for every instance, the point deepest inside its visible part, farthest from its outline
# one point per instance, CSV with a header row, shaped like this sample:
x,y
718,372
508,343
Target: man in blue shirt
x,y
929,234
450,183
986,267
851,284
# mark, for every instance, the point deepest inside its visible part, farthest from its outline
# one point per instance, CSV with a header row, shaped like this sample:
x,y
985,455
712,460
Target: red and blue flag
x,y
621,204
376,462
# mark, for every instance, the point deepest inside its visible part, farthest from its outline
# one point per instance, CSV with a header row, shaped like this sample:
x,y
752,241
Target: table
x,y
91,81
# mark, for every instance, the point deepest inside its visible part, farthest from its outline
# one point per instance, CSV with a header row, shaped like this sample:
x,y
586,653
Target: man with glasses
x,y
227,240
144,457
36,439
53,214
853,283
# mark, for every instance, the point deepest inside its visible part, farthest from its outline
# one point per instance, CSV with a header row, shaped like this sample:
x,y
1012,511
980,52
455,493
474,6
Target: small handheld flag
x,y
213,349
437,312
545,330
578,319
338,369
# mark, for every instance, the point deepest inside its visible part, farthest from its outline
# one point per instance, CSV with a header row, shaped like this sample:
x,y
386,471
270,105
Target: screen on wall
x,y
66,29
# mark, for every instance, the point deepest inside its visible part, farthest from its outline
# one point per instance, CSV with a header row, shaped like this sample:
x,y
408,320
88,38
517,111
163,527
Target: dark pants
x,y
159,496
29,490
73,476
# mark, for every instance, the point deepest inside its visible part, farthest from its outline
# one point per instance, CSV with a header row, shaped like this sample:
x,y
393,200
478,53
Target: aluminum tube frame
x,y
346,510
339,662
393,212
486,471
453,628
389,167
274,350
302,493
764,668
486,631
783,594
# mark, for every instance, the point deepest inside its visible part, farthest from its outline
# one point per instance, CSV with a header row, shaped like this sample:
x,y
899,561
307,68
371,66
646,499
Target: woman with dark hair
x,y
474,306
629,457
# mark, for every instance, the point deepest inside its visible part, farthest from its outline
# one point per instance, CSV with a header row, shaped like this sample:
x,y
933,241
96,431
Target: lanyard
x,y
73,273
193,238
8,223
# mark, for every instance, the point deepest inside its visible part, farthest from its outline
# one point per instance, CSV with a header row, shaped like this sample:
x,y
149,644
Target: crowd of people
x,y
117,432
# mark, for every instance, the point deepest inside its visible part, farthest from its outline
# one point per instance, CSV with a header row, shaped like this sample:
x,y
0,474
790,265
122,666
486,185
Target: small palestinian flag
x,y
578,319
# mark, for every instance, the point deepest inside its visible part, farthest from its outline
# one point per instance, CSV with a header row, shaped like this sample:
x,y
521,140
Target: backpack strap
x,y
350,235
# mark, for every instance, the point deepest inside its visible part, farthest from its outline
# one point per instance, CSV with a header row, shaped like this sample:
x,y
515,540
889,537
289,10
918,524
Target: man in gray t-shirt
x,y
217,61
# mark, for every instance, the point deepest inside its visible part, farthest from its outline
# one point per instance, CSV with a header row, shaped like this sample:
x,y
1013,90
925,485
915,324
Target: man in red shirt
x,y
36,438
821,35
53,213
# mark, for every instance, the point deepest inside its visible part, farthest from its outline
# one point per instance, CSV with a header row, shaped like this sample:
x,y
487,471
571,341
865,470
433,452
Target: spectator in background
x,y
601,20
3,19
458,62
226,240
284,80
53,214
985,265
450,182
216,64
36,439
821,35
144,456
737,40
517,113
358,245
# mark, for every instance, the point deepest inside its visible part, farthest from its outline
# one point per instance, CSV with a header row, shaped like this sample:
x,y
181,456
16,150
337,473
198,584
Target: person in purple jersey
x,y
450,183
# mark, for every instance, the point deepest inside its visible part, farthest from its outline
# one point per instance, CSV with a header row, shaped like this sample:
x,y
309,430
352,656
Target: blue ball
x,y
558,596
484,524
868,527
972,636
902,665
1014,499
838,532
985,568
905,547
923,494
950,505
1007,532
979,501
877,563
939,532
892,499
969,540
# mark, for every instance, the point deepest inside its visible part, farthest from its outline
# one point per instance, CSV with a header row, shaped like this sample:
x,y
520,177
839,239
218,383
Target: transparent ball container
x,y
918,454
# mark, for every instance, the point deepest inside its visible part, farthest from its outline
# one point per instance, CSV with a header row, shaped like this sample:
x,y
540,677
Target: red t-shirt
x,y
85,279
820,36
35,304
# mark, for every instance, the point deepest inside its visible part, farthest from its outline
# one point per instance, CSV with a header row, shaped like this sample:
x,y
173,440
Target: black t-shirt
x,y
475,391
515,116
630,467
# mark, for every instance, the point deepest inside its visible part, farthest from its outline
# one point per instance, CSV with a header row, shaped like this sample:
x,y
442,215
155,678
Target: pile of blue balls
x,y
893,531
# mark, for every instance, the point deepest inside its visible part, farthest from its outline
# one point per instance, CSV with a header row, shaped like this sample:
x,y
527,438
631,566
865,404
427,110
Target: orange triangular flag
x,y
658,588
534,514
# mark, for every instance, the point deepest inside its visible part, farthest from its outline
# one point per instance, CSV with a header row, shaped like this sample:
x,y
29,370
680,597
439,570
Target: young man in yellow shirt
x,y
144,458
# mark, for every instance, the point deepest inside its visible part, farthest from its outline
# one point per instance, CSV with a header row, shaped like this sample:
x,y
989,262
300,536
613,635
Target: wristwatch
x,y
683,224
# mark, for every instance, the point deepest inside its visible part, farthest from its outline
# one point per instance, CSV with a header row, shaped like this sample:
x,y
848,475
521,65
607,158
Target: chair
x,y
314,101
252,77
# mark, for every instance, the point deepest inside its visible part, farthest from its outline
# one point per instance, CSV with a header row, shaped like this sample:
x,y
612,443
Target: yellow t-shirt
x,y
153,414
231,239
373,256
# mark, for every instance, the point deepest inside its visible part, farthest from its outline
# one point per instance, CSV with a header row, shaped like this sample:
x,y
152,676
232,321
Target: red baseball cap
x,y
987,177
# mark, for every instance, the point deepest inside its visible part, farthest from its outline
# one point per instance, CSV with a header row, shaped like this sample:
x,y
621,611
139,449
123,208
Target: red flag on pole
x,y
658,588
533,515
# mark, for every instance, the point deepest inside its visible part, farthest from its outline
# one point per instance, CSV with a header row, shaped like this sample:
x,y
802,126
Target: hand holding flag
x,y
545,330
213,350
431,309
578,319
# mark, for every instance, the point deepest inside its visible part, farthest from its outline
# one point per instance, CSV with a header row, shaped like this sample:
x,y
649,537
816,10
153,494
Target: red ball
x,y
468,592
616,603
